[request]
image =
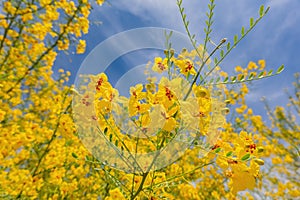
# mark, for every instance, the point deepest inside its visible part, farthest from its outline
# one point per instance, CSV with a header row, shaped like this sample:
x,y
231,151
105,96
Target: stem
x,y
208,31
183,17
126,161
235,44
185,173
148,170
202,65
141,186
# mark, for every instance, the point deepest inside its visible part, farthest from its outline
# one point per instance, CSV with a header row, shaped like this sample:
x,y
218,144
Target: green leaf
x,y
270,72
222,53
218,79
242,78
243,31
211,80
201,78
261,75
261,10
246,157
110,137
216,60
226,80
207,22
69,143
280,69
188,75
233,79
218,150
105,130
251,21
251,76
207,15
229,153
116,142
228,46
235,39
74,155
87,158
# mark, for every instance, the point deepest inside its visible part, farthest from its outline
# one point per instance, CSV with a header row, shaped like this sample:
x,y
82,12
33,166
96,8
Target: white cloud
x,y
264,42
278,3
149,9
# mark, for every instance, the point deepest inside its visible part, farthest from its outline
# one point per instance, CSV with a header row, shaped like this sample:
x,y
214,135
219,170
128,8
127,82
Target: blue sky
x,y
275,39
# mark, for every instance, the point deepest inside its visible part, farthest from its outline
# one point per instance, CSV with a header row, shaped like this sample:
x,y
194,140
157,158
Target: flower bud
x,y
202,93
225,111
260,149
259,161
172,52
223,40
184,50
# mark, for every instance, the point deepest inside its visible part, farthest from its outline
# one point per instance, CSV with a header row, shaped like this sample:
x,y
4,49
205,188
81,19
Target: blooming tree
x,y
42,152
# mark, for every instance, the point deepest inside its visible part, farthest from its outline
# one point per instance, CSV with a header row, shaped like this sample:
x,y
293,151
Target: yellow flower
x,y
2,115
115,194
276,160
242,180
186,67
160,65
250,111
136,107
170,122
238,69
100,2
27,16
252,65
9,7
102,86
241,109
137,92
262,64
63,44
294,193
81,47
288,159
244,89
223,74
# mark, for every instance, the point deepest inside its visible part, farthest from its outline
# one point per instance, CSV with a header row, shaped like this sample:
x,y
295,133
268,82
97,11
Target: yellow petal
x,y
242,181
